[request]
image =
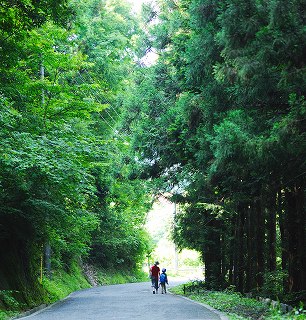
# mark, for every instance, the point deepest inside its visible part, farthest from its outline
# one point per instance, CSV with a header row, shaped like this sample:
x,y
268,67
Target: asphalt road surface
x,y
124,302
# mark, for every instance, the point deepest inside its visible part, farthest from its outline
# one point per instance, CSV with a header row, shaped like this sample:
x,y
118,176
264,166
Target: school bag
x,y
162,278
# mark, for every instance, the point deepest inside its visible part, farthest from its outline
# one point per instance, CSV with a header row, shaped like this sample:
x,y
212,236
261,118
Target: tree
x,y
222,113
58,139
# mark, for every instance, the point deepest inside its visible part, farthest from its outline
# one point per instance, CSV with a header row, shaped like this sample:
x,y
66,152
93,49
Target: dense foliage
x,y
88,131
66,189
238,307
219,121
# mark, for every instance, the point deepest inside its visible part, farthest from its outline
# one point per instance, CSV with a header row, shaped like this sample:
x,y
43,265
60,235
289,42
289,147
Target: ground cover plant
x,y
63,283
235,305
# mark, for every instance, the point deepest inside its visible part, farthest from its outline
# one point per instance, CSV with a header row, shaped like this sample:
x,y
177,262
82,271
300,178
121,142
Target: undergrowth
x,y
62,283
237,307
107,277
4,315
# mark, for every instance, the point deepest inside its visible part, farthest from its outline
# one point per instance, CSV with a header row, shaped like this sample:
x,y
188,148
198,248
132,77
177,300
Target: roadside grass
x,y
8,301
60,285
63,283
107,277
5,315
237,307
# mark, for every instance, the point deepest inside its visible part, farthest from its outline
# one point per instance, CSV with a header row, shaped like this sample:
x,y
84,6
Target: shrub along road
x,y
125,301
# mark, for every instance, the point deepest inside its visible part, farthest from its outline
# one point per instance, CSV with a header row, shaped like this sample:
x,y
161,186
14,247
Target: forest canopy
x,y
91,131
66,186
219,121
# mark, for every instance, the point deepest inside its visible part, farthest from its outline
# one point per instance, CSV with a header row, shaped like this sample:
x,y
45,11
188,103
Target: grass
x,y
63,283
107,277
5,315
58,287
237,307
8,301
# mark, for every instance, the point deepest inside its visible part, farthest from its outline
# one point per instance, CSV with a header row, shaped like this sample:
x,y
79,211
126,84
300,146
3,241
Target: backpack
x,y
162,278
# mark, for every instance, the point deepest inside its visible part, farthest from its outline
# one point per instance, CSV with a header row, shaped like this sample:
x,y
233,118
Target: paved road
x,y
123,302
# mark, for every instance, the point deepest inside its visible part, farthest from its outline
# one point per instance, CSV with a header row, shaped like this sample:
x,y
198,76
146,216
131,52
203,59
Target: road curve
x,y
124,302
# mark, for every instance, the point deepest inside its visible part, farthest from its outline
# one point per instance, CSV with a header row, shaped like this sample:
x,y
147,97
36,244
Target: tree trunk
x,y
270,205
283,227
251,252
239,250
260,241
212,257
224,260
232,251
296,239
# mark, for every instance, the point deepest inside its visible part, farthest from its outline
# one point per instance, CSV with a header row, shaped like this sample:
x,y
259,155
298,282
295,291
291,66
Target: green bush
x,y
236,306
8,301
273,283
106,277
63,283
10,305
5,315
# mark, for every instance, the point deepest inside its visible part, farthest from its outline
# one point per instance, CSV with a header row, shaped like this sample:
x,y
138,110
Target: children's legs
x,y
163,286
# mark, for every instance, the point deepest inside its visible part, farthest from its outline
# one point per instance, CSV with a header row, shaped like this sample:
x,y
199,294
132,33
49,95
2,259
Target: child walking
x,y
163,280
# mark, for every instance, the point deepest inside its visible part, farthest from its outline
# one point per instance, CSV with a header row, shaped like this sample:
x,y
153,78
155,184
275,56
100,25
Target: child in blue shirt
x,y
163,280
